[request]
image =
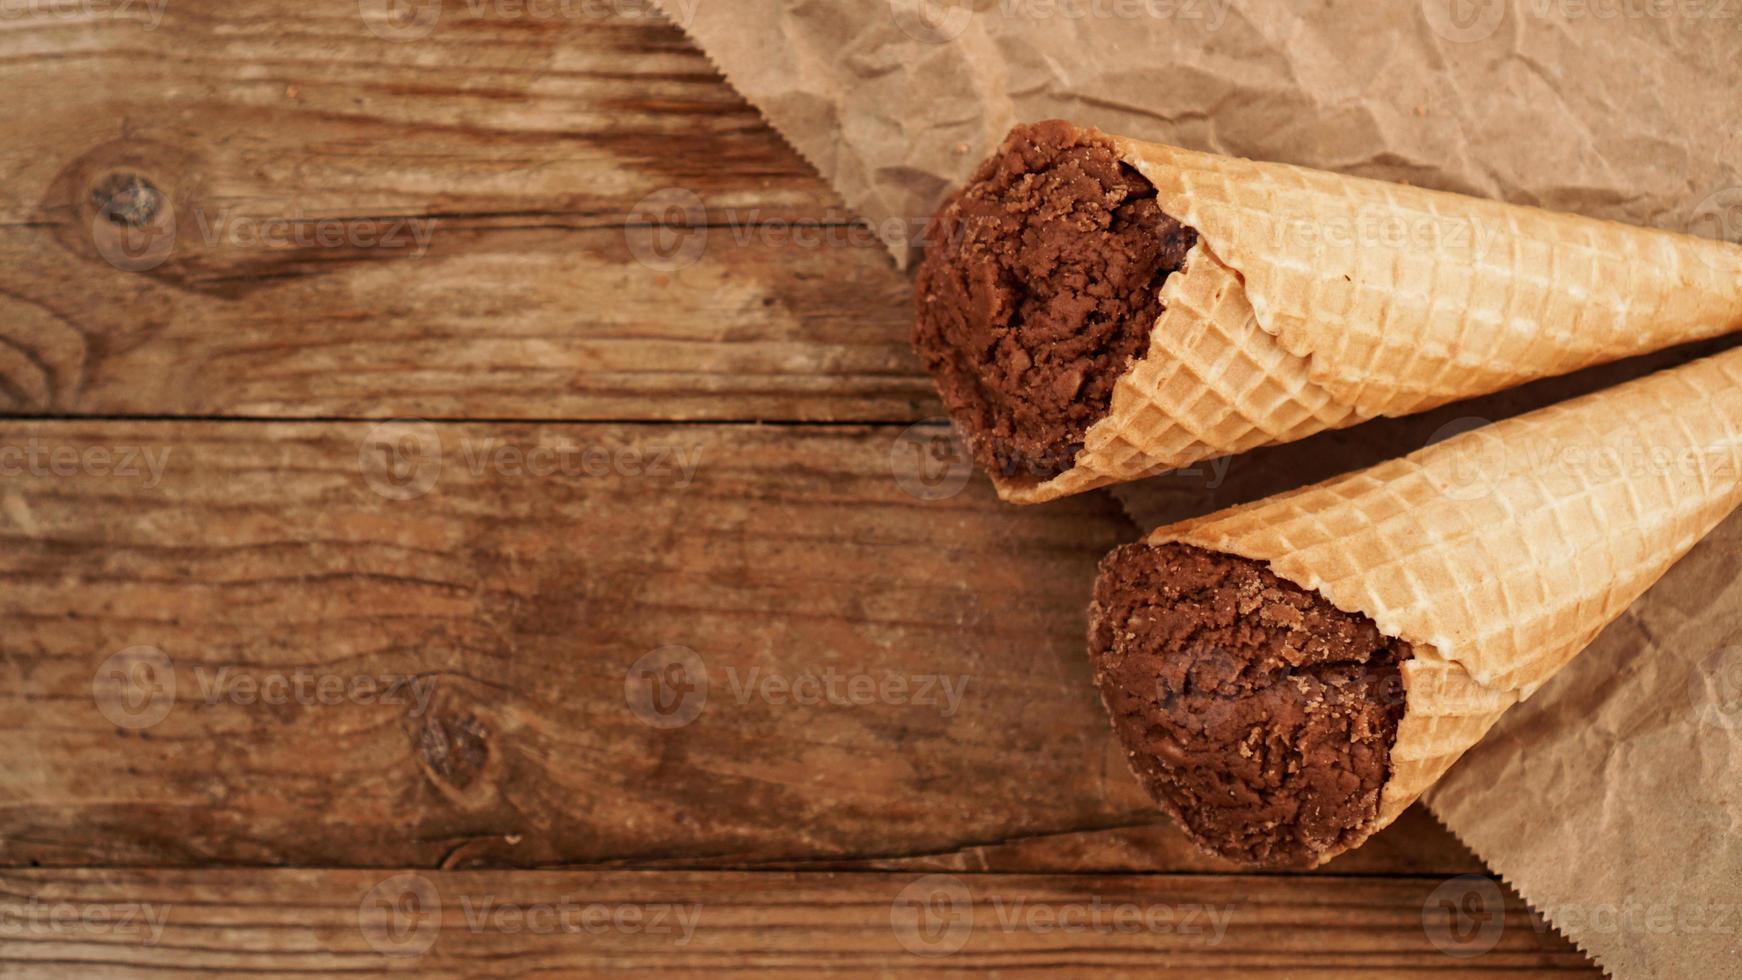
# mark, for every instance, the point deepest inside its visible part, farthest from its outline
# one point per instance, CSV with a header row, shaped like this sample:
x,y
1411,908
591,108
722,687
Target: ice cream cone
x,y
1500,554
1314,301
1214,384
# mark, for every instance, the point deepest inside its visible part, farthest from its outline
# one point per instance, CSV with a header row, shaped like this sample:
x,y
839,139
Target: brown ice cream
x,y
1258,714
1041,284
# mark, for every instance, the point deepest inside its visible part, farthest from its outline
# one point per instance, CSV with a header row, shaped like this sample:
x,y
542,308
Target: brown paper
x,y
1621,109
1611,799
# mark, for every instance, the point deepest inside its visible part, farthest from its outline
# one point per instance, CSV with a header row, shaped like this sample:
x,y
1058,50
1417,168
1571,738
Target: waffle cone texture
x,y
1501,553
1314,301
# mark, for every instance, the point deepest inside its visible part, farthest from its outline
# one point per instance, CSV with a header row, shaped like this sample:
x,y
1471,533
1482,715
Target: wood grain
x,y
686,924
512,604
522,603
214,212
488,222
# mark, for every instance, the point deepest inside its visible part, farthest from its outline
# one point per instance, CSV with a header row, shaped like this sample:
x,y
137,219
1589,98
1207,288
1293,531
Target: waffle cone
x,y
1314,301
1500,554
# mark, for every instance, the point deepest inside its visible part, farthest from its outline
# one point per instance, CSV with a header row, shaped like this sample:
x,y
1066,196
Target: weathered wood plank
x,y
497,110
515,600
1416,844
253,209
521,324
531,211
244,923
520,606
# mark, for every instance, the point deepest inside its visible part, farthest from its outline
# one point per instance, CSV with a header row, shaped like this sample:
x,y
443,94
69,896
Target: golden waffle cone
x,y
1501,553
1213,384
1315,301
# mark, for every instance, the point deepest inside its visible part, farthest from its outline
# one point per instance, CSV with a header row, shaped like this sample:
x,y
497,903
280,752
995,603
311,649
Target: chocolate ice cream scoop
x,y
1041,284
1258,714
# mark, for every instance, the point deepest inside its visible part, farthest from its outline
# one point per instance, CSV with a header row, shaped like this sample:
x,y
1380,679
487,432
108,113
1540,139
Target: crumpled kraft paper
x,y
1612,800
1624,109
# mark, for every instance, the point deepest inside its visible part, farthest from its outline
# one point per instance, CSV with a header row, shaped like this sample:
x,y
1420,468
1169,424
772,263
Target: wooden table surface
x,y
653,639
